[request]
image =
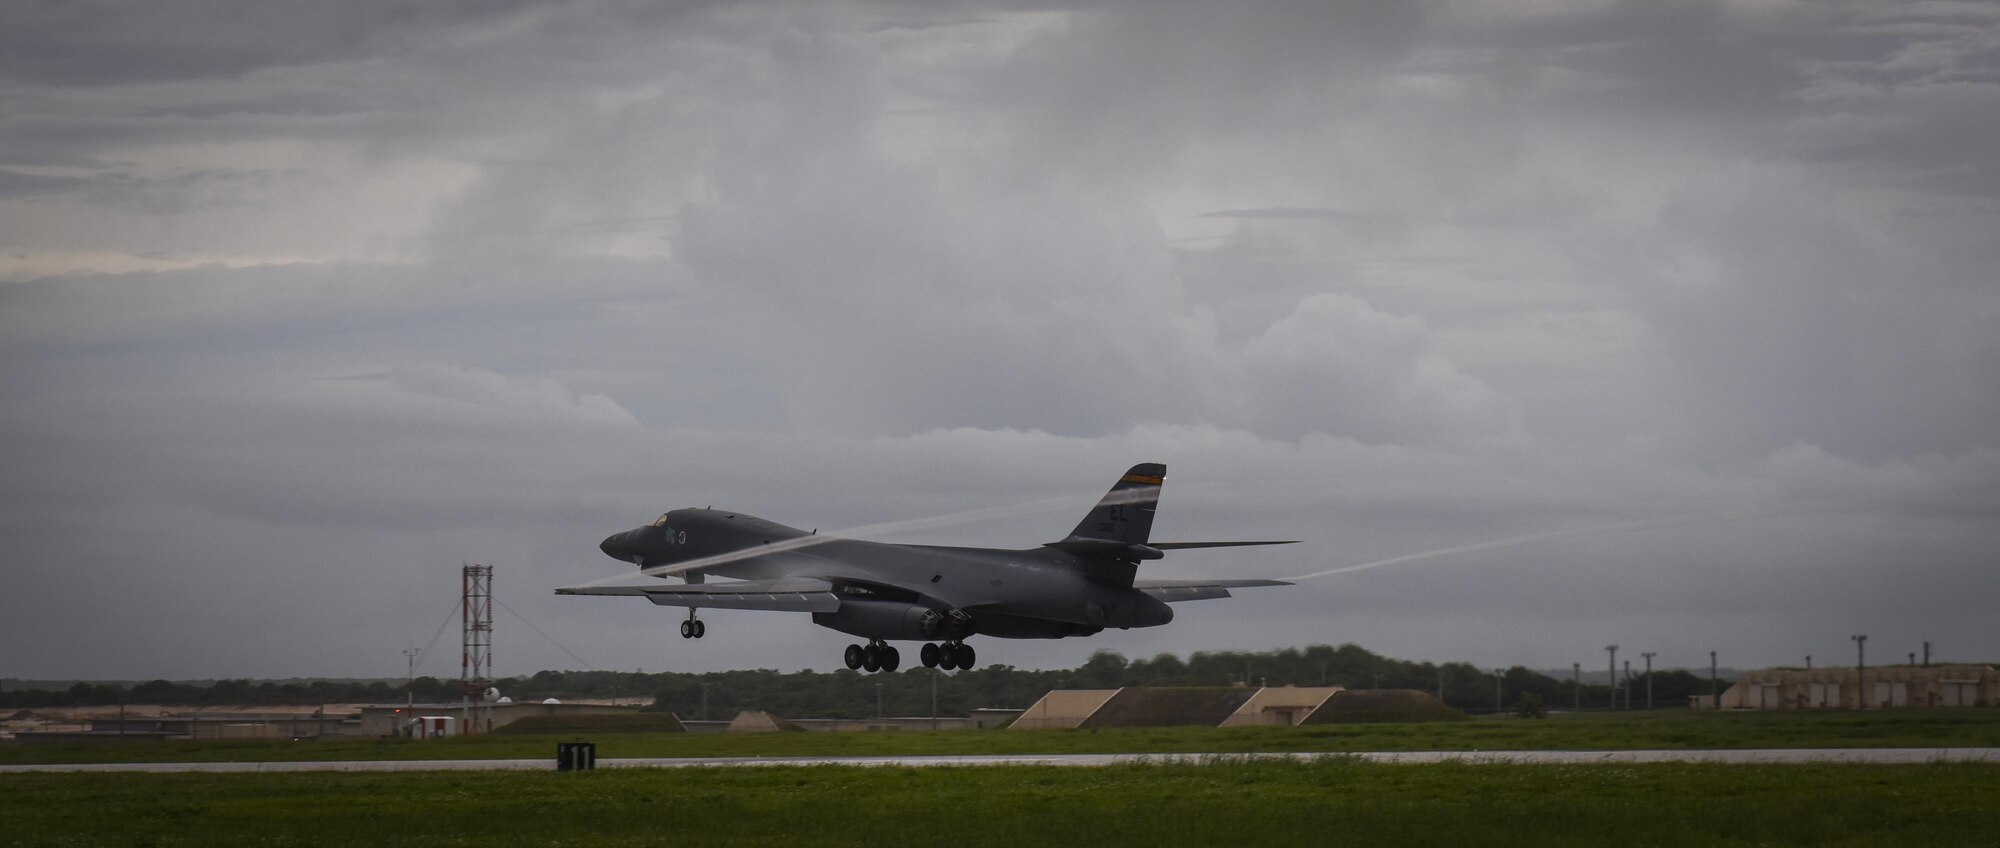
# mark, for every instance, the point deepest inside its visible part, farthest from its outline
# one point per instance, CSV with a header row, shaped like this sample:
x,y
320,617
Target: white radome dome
x,y
550,701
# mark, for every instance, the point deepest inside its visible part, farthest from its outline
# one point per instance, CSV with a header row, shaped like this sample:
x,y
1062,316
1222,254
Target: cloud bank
x,y
298,313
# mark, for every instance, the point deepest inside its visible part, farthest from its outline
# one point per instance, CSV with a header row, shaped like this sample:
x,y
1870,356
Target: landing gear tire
x,y
889,658
955,655
871,659
700,629
855,656
930,655
687,630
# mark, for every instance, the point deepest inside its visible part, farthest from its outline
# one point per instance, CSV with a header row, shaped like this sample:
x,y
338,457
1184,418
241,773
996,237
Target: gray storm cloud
x,y
299,313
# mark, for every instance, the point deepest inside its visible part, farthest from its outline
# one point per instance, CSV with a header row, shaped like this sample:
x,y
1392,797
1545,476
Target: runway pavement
x,y
1905,756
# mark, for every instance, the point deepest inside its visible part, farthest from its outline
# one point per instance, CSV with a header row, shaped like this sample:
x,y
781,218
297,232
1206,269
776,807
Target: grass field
x,y
1236,803
1589,731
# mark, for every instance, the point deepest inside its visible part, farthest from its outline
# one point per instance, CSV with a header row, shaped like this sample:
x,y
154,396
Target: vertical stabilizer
x,y
1125,515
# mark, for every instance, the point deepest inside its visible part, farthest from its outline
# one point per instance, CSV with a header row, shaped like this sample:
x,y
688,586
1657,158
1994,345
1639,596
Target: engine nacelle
x,y
949,624
896,620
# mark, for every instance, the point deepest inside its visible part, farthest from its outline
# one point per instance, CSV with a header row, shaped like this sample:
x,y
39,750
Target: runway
x,y
1761,756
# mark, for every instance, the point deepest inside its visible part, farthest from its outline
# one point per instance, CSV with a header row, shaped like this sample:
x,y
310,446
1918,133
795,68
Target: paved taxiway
x,y
1752,756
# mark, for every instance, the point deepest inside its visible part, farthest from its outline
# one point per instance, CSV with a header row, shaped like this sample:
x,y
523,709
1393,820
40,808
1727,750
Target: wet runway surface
x,y
1904,756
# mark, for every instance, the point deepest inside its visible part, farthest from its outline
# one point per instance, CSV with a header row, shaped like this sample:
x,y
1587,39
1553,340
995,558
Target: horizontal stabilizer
x,y
1105,547
1198,590
1181,546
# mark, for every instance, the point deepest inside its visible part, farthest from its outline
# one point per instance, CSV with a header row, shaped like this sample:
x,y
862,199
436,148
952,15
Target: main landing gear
x,y
878,656
692,628
948,656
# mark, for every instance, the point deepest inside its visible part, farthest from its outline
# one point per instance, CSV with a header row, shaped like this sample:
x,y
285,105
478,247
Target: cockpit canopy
x,y
661,521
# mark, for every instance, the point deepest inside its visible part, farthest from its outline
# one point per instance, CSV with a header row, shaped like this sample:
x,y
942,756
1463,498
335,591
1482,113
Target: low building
x,y
1280,706
199,726
1176,706
400,719
1401,706
1062,708
1889,687
758,721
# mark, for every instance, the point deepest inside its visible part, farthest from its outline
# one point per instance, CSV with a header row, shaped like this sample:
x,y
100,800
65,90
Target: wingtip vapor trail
x,y
1575,532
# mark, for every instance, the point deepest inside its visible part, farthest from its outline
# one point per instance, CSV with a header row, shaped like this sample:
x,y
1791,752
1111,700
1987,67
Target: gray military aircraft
x,y
935,594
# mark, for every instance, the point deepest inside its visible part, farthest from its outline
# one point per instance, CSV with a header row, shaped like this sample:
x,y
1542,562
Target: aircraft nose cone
x,y
614,546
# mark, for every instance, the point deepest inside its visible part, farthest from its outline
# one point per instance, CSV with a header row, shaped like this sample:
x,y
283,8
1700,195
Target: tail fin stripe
x,y
1125,514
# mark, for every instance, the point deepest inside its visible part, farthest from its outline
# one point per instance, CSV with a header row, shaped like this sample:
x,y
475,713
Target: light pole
x,y
1861,668
1611,674
1628,684
1714,695
1499,677
1576,683
409,688
1649,677
1809,662
878,700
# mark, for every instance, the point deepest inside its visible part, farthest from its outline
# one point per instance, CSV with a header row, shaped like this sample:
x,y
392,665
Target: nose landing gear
x,y
692,628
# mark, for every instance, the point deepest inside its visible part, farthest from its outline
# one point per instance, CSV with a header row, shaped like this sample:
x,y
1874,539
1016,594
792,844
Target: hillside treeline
x,y
849,694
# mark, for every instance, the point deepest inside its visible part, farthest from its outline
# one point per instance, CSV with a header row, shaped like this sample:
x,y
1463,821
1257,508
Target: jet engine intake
x,y
949,625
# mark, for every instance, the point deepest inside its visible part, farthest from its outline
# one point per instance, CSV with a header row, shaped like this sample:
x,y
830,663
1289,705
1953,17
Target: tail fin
x,y
1125,515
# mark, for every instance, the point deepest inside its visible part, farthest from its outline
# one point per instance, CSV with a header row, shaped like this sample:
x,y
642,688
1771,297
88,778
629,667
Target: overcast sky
x,y
304,304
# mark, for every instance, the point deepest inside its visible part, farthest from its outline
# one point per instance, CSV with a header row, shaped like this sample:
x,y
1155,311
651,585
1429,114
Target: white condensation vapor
x,y
1593,530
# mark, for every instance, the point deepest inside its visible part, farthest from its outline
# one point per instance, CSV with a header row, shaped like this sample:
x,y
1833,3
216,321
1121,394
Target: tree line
x,y
848,694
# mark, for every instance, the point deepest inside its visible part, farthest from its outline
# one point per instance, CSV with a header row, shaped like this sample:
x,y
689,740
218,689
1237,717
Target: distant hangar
x,y
1890,687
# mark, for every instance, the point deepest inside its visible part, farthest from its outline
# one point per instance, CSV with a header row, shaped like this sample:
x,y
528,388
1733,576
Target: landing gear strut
x,y
692,628
950,655
877,656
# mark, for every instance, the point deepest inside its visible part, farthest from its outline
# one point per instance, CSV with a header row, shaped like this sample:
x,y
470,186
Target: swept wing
x,y
785,594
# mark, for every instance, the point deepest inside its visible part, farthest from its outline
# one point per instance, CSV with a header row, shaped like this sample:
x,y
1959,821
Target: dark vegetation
x,y
848,694
1225,803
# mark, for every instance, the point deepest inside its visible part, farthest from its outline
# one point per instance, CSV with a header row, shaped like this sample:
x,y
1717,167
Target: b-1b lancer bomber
x,y
934,594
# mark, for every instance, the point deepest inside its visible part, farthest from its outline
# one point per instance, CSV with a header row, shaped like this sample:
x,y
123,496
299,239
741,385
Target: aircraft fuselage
x,y
885,589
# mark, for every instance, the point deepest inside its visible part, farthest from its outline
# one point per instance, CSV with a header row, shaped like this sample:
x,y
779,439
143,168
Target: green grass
x,y
592,725
1969,727
1261,803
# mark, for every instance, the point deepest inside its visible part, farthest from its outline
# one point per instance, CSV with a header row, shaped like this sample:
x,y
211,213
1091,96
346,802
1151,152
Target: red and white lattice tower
x,y
476,669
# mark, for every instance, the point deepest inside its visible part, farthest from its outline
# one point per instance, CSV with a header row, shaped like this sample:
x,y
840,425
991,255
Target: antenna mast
x,y
476,657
